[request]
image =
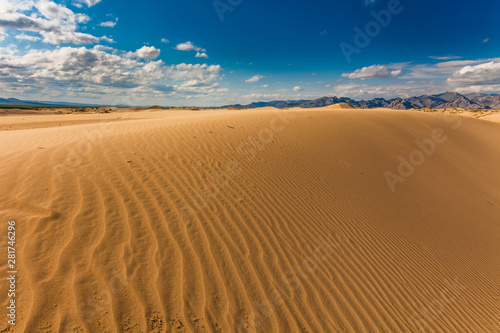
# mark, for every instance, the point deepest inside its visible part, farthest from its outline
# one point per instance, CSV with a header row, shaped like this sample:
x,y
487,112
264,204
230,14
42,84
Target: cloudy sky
x,y
216,52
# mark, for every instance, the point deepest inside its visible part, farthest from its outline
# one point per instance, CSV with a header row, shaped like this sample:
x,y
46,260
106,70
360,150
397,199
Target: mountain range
x,y
15,101
439,101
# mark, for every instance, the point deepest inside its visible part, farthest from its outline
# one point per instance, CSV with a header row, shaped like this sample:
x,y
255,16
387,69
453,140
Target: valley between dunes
x,y
253,221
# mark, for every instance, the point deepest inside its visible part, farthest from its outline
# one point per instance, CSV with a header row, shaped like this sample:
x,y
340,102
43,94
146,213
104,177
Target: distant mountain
x,y
325,101
15,101
439,101
373,103
399,104
426,101
448,96
276,104
463,103
492,101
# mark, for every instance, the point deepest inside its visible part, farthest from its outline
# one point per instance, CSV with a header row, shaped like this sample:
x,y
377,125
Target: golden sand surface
x,y
312,220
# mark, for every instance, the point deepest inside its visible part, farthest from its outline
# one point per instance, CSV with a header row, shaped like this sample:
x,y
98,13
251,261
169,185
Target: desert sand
x,y
338,106
252,221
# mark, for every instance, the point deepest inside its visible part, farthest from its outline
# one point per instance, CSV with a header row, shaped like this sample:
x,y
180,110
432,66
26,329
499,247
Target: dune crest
x,y
338,106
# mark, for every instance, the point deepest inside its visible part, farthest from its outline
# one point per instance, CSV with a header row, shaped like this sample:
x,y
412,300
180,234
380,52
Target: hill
x,y
439,101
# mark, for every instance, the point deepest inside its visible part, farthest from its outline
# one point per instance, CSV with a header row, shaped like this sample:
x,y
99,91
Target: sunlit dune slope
x,y
256,221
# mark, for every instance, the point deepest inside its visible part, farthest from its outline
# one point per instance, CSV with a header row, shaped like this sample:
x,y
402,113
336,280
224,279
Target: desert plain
x,y
265,220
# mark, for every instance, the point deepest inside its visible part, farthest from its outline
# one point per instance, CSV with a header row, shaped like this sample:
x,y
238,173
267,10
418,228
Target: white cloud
x,y
264,85
28,38
103,48
72,38
486,40
164,40
54,22
445,57
107,39
297,88
255,78
445,68
408,89
89,3
478,75
453,64
441,70
260,97
371,72
109,24
101,71
52,11
9,50
3,35
145,52
484,89
195,71
188,46
201,55
463,76
197,86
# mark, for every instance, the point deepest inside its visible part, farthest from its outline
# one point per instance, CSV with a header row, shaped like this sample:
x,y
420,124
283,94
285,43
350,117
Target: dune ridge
x,y
338,106
255,221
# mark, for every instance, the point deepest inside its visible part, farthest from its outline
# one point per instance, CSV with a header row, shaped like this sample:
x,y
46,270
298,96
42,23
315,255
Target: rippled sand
x,y
253,221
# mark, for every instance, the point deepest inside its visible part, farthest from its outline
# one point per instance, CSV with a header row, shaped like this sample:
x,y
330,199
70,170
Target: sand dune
x,y
338,106
266,108
255,221
142,108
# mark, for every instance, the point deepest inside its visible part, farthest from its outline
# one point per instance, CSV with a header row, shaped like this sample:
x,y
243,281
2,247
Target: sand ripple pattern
x,y
254,221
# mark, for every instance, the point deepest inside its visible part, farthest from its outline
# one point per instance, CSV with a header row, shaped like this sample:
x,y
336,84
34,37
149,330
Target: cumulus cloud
x,y
9,50
197,86
164,40
264,97
478,75
92,72
255,78
54,22
202,72
28,38
408,89
89,3
483,89
201,55
463,76
188,46
3,35
441,70
371,72
109,24
145,52
297,88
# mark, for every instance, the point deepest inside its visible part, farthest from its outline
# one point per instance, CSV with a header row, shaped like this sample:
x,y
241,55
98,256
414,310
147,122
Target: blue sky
x,y
206,52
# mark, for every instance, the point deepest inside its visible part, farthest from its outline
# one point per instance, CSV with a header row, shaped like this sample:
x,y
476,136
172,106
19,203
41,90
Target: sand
x,y
338,106
253,221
